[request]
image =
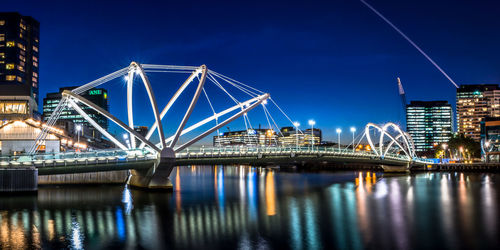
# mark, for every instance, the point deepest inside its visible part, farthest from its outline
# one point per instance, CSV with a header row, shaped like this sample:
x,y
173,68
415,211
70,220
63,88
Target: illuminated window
x,y
35,74
21,46
2,37
34,79
13,107
35,59
2,55
10,78
35,64
11,44
20,68
22,58
35,48
9,66
19,79
2,22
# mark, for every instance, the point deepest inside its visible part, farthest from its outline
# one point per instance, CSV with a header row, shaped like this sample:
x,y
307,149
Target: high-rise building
x,y
429,123
19,44
474,104
98,96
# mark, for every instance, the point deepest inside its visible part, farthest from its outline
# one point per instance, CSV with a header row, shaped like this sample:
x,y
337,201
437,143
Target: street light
x,y
125,137
312,123
338,134
296,125
78,130
353,130
444,149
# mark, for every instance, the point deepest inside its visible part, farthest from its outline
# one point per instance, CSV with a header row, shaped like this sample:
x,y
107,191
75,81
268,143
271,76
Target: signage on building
x,y
95,92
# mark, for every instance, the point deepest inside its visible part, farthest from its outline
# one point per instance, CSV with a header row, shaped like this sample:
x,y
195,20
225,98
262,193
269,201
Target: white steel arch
x,y
72,99
406,146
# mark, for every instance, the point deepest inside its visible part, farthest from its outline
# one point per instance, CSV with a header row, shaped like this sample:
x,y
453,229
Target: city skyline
x,y
349,51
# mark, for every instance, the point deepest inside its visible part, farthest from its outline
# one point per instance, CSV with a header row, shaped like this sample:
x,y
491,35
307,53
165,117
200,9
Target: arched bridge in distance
x,y
152,157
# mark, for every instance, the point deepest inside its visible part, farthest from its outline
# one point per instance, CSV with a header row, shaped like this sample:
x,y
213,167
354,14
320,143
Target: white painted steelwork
x,y
72,99
402,140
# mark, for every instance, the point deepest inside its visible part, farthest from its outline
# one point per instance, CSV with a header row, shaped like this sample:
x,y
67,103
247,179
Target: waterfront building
x,y
142,130
19,44
429,123
474,104
490,139
250,137
98,96
18,136
289,137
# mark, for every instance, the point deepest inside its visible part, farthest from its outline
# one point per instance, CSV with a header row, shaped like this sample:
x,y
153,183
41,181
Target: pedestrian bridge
x,y
152,158
113,160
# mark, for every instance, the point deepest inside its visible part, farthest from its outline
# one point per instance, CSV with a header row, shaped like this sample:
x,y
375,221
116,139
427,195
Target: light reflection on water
x,y
251,207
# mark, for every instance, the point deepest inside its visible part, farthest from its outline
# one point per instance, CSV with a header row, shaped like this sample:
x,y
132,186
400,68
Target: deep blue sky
x,y
334,61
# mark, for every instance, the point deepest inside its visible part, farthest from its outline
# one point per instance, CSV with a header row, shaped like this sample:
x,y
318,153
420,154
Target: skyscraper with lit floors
x,y
429,123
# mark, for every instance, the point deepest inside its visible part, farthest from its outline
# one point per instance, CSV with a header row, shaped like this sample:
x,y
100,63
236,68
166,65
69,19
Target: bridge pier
x,y
156,177
396,169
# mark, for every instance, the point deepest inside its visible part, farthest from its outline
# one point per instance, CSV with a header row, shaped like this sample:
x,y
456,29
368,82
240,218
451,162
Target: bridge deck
x,y
112,160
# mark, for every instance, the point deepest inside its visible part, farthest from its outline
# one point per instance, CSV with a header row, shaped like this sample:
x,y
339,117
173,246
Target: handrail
x,y
204,152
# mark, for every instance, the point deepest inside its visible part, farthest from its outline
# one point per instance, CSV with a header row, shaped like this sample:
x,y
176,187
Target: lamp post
x,y
78,130
444,149
338,134
296,125
125,137
353,130
312,123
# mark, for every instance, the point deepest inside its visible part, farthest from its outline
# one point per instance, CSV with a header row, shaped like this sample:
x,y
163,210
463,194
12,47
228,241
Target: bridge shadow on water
x,y
214,207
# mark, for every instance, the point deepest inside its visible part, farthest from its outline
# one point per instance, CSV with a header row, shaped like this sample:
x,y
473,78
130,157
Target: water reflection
x,y
250,207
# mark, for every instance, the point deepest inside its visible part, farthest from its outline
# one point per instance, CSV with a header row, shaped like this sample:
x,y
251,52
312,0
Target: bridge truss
x,y
197,75
398,141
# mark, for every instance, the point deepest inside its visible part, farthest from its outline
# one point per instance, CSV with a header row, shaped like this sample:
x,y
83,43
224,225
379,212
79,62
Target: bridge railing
x,y
251,151
71,157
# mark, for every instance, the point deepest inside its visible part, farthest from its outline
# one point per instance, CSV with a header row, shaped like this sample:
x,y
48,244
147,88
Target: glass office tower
x,y
429,123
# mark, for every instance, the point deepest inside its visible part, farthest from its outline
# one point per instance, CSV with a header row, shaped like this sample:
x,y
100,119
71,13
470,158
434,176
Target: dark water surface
x,y
255,208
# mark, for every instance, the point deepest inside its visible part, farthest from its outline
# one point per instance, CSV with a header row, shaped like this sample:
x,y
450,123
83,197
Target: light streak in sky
x,y
410,41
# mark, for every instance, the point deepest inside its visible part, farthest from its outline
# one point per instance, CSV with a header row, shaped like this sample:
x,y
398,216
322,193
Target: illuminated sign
x,y
95,92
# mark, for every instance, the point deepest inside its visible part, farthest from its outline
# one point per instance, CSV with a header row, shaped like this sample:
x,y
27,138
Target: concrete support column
x,y
156,177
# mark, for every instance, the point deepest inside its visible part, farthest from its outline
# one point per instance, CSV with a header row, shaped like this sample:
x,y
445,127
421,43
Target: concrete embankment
x,y
18,179
472,167
108,177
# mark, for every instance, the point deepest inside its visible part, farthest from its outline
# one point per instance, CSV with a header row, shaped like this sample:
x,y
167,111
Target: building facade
x,y
250,137
290,137
98,96
19,58
429,123
490,139
474,104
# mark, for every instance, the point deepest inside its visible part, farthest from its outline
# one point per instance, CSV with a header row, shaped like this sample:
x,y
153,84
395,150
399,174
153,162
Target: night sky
x,y
333,61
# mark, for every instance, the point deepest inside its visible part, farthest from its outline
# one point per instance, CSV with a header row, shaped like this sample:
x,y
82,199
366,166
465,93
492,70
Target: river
x,y
240,207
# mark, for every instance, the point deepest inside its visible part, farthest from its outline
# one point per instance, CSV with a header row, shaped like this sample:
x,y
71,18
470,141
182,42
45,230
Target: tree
x,y
462,146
